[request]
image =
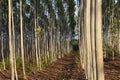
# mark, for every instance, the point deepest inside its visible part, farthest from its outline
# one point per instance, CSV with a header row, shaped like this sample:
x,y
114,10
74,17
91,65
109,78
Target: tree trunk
x,y
10,40
98,41
93,63
2,47
36,42
118,36
14,55
21,35
88,42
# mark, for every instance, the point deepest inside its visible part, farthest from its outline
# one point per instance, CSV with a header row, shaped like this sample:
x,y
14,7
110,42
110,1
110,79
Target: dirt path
x,y
62,69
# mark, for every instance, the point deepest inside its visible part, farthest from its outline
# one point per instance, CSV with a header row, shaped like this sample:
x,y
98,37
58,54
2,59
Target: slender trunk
x,y
51,41
118,33
88,43
36,42
40,52
119,40
14,55
80,27
2,46
59,42
93,63
10,40
21,34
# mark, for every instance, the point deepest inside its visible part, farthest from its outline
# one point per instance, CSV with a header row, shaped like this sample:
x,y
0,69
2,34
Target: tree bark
x,y
93,62
98,40
88,42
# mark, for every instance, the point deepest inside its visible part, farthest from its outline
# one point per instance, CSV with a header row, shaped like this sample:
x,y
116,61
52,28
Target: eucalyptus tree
x,y
81,34
21,35
85,37
92,32
10,40
98,40
35,17
90,39
13,42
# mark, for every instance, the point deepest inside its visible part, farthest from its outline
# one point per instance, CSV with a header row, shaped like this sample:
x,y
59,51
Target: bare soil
x,y
112,68
62,69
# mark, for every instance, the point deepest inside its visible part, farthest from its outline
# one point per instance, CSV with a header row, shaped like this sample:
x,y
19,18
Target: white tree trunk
x,y
36,42
93,40
99,50
21,35
14,55
88,42
10,40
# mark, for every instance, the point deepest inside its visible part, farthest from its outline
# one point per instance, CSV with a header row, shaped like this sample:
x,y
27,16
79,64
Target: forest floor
x,y
112,68
62,69
67,69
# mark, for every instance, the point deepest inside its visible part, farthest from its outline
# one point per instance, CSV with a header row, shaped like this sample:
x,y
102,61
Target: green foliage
x,y
18,61
115,21
7,63
75,42
39,30
1,65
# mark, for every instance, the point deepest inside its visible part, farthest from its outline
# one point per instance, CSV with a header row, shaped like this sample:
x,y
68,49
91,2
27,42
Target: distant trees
x,y
110,10
70,4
